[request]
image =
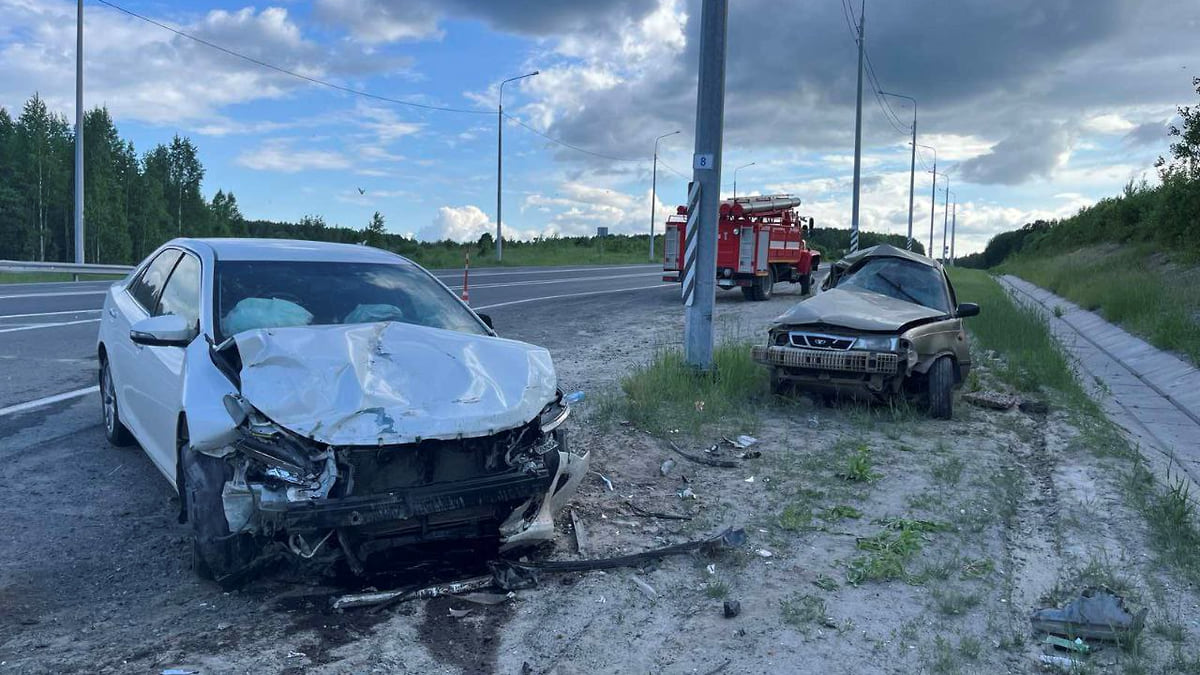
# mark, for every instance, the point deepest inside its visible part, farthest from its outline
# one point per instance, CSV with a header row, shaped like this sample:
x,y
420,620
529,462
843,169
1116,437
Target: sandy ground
x,y
1019,510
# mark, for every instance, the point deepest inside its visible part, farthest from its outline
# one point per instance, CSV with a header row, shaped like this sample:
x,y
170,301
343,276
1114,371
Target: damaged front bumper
x,y
506,486
836,371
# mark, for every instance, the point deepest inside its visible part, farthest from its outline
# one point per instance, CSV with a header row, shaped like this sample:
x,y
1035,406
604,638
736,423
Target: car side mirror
x,y
168,330
966,309
486,319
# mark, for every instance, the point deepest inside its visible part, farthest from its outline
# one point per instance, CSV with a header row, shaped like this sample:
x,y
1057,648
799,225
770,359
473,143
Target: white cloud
x,y
279,155
465,224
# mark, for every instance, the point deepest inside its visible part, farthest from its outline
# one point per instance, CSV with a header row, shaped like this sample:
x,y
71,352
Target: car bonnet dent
x,y
392,383
858,309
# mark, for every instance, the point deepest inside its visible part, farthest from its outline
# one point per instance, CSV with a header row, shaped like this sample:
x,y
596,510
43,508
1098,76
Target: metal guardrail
x,y
62,267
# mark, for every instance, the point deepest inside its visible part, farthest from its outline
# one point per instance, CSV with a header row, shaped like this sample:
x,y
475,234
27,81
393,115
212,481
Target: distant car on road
x,y
327,401
887,323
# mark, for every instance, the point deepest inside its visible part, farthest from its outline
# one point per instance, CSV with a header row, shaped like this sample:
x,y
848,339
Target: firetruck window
x,y
900,279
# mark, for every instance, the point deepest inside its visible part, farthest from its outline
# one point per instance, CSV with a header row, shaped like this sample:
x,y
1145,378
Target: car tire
x,y
779,386
941,388
217,554
116,432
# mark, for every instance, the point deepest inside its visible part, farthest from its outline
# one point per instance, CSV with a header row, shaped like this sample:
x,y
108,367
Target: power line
x,y
889,114
572,147
292,73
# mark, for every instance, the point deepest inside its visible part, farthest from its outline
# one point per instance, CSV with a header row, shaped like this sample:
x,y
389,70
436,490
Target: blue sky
x,y
1036,107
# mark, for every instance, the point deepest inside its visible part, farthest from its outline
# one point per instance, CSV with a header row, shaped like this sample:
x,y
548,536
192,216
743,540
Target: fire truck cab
x,y
760,242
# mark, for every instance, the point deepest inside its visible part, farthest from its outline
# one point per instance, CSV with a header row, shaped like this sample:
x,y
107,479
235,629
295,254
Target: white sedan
x,y
326,402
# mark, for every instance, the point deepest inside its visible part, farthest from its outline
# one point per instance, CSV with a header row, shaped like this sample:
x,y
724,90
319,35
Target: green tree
x,y
44,176
1185,150
375,234
183,190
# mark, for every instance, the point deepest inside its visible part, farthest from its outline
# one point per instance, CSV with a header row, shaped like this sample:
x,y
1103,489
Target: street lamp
x,y
932,198
735,177
912,170
500,160
654,189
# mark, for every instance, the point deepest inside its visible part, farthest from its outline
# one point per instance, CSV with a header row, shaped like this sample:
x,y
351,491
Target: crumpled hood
x,y
392,383
857,309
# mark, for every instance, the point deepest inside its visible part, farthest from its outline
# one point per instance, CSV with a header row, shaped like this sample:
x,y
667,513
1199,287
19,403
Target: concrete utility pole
x,y
945,218
654,190
953,226
704,195
79,134
932,199
500,160
912,169
862,19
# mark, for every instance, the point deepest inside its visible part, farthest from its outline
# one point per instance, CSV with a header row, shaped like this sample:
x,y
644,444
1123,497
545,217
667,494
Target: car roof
x,y
288,249
889,251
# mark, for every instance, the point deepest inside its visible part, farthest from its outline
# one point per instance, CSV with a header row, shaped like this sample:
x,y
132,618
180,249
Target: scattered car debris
x,y
731,538
581,538
993,400
708,461
764,553
353,600
750,454
1063,663
741,442
575,397
1097,613
666,466
1076,645
644,587
639,511
1032,406
732,608
487,598
606,481
813,422
685,492
459,613
179,671
749,480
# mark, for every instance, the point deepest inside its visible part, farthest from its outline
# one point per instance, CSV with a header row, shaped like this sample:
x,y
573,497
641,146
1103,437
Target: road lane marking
x,y
541,282
50,295
570,295
491,271
48,325
25,316
30,405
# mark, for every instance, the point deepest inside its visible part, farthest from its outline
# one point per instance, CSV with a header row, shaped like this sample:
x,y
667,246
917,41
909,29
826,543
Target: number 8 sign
x,y
702,162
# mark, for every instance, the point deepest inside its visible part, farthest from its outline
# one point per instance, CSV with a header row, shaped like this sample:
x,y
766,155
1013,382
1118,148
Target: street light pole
x,y
500,160
735,177
912,169
862,19
79,135
953,227
932,199
945,218
654,190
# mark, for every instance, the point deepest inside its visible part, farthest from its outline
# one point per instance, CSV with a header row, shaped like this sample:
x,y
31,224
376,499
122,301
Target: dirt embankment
x,y
879,541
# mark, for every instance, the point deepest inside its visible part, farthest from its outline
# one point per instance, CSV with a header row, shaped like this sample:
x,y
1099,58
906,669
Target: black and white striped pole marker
x,y
692,228
854,239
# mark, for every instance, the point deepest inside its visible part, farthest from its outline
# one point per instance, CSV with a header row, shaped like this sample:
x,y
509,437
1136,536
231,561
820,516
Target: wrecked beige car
x,y
888,323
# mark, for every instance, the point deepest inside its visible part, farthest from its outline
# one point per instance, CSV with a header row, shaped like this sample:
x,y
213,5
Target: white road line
x,y
48,325
570,295
30,405
51,295
25,316
557,281
491,271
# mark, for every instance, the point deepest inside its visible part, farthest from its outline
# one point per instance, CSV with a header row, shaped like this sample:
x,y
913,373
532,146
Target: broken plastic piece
x,y
606,481
575,397
1076,645
686,493
742,442
734,537
644,587
1097,613
666,466
1064,663
378,597
723,463
459,613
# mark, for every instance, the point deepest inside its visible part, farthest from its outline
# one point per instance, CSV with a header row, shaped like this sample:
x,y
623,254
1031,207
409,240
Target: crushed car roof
x,y
889,251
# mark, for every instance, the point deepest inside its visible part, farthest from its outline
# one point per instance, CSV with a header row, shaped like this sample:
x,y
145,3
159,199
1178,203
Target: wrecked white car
x,y
329,402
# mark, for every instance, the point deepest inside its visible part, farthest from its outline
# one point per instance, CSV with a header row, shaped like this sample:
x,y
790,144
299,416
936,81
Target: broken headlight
x,y
877,343
553,415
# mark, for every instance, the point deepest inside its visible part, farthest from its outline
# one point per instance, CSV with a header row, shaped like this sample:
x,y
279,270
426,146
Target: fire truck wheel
x,y
806,284
761,288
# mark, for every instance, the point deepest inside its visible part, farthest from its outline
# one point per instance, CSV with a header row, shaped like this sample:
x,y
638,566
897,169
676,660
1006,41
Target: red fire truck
x,y
760,241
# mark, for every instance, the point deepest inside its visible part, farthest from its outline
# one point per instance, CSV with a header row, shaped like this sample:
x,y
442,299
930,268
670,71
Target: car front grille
x,y
820,341
884,363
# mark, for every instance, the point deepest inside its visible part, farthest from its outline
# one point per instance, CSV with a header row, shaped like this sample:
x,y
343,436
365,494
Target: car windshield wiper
x,y
896,286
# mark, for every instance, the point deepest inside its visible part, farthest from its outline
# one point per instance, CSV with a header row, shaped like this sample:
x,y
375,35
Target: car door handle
x,y
112,312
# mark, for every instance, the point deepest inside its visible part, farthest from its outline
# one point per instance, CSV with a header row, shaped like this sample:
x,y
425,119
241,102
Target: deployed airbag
x,y
392,383
251,313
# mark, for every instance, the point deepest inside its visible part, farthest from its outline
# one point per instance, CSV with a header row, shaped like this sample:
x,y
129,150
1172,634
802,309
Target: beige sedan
x,y
888,323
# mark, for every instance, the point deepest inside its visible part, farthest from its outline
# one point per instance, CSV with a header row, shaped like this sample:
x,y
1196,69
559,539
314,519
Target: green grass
x,y
887,554
1134,288
801,611
1032,358
667,395
42,277
857,465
